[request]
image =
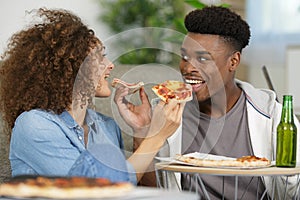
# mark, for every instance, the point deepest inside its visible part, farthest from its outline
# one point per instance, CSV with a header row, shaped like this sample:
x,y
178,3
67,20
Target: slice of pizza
x,y
64,188
133,87
172,89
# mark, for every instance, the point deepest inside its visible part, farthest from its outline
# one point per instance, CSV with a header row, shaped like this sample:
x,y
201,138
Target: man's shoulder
x,y
261,99
257,94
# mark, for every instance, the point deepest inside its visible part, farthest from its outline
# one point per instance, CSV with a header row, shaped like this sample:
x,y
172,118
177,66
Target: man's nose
x,y
188,66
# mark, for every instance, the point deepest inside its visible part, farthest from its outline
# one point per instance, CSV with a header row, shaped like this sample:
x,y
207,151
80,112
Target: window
x,y
276,16
275,43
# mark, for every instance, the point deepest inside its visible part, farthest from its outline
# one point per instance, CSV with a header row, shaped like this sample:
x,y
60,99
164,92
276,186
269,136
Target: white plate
x,y
195,155
173,160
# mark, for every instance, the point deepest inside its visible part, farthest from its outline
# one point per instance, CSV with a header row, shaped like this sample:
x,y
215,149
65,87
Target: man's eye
x,y
202,59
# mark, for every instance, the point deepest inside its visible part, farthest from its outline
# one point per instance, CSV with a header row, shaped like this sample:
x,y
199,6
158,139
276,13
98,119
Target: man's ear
x,y
234,60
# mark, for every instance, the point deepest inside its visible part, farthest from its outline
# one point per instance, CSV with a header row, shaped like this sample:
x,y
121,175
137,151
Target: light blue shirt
x,y
43,143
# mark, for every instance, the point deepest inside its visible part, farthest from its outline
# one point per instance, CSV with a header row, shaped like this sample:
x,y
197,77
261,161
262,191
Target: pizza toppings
x,y
133,87
172,89
245,161
251,159
63,187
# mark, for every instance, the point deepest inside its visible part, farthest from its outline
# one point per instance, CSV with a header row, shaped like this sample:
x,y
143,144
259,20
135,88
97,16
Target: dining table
x,y
166,170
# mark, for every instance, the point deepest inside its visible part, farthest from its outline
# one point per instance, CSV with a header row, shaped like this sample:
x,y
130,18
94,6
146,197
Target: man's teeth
x,y
194,81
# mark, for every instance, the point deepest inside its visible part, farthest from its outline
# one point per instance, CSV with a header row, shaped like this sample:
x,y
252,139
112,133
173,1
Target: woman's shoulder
x,y
34,122
35,117
35,114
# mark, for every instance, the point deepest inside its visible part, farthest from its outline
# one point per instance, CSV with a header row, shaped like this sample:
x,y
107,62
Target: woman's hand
x,y
137,117
166,119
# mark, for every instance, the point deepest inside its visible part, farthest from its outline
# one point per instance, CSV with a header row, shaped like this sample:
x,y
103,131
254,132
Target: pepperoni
x,y
163,91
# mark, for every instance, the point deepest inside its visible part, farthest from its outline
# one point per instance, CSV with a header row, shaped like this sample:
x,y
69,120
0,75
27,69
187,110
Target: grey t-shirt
x,y
226,136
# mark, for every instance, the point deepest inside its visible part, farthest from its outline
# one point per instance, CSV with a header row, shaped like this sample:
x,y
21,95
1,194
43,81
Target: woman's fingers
x,y
174,110
120,94
144,96
180,111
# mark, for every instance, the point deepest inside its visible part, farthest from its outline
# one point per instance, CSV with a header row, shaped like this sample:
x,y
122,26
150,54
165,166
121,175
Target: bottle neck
x,y
287,111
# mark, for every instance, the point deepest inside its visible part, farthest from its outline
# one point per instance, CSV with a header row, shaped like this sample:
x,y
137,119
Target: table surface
x,y
266,171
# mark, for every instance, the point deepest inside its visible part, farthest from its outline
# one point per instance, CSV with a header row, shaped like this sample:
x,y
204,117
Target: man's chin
x,y
201,97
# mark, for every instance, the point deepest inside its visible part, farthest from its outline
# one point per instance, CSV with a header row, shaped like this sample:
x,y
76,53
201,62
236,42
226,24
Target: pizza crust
x,y
133,87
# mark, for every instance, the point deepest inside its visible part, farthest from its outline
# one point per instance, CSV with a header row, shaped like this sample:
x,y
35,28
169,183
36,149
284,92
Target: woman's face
x,y
103,86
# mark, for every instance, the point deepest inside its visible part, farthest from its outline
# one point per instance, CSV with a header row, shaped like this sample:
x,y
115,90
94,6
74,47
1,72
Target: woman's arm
x,y
165,121
148,138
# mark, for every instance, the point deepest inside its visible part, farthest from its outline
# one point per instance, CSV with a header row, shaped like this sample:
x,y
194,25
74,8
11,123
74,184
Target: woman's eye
x,y
105,54
184,57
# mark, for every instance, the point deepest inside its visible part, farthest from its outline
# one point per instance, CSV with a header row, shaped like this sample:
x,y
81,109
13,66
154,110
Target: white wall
x,y
275,29
13,15
293,75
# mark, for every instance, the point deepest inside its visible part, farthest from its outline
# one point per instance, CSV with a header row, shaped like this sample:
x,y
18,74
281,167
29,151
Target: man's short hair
x,y
220,21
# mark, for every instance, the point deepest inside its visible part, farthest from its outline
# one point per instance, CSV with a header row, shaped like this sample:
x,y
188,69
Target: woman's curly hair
x,y
221,21
41,64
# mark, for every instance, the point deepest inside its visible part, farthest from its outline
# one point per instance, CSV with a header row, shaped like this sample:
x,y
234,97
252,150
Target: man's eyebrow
x,y
202,52
197,52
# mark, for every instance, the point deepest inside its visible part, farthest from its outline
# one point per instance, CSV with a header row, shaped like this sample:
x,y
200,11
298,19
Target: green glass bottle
x,y
286,135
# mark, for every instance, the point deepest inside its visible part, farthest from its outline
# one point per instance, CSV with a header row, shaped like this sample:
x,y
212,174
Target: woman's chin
x,y
103,94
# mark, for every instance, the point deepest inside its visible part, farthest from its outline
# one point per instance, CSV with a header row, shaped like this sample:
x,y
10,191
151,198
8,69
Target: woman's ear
x,y
234,61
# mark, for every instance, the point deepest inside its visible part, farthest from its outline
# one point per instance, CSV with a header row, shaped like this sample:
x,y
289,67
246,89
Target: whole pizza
x,y
244,161
63,188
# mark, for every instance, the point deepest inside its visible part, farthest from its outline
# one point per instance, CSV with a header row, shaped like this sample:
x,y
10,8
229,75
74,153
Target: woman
x,y
49,76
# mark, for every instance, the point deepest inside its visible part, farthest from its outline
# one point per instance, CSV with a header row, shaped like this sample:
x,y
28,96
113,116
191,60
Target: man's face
x,y
205,63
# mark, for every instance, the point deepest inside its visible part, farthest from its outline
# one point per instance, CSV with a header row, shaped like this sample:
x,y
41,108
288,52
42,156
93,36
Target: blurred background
x,y
275,27
274,43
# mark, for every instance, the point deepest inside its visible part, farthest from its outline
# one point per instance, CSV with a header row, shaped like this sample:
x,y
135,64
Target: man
x,y
227,117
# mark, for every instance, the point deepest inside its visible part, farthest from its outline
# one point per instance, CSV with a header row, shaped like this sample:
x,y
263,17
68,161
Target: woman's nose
x,y
108,64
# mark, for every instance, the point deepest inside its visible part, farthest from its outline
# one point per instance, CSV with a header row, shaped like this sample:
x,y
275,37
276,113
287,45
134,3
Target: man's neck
x,y
220,104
